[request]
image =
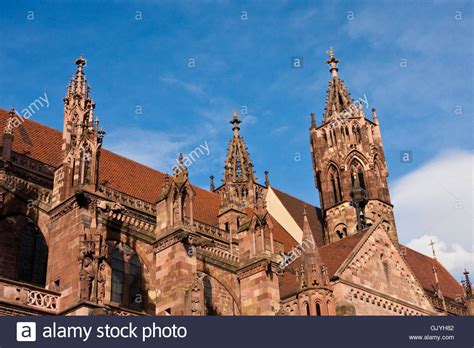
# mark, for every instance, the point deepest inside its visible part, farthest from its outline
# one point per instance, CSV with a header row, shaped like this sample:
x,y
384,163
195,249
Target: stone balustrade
x,y
29,296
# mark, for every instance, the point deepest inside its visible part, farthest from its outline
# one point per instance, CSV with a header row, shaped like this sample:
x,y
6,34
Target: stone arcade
x,y
84,231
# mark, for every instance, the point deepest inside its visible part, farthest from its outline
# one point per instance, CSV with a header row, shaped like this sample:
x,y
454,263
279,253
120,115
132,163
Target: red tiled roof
x,y
42,143
421,265
334,254
295,207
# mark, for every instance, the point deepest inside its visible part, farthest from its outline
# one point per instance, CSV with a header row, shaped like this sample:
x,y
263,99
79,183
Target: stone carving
x,y
86,277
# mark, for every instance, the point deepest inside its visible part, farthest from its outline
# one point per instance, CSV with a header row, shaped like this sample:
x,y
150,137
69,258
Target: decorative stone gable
x,y
376,279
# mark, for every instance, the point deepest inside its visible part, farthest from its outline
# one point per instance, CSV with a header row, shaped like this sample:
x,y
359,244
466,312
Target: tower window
x,y
318,309
306,309
335,185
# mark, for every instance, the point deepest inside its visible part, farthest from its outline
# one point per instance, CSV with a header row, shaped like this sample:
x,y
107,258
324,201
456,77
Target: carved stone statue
x,y
86,277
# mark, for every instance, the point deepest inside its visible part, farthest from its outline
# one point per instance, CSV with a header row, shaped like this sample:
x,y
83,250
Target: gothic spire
x,y
312,266
238,165
338,98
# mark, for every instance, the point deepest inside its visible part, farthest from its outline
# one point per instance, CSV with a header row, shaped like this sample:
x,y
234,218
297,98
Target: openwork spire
x,y
238,167
338,98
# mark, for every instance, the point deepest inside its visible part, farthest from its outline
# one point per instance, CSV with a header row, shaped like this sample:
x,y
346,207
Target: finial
x,y
332,61
267,182
80,61
433,249
313,121
101,134
211,185
235,122
304,210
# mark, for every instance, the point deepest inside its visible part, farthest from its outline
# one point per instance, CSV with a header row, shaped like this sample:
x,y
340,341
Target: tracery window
x,y
127,279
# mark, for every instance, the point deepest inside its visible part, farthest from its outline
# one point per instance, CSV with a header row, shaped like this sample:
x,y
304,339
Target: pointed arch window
x,y
135,283
118,271
335,184
306,309
318,309
358,170
33,255
127,279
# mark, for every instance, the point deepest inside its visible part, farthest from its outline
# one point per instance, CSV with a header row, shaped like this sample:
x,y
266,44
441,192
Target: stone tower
x,y
239,189
349,165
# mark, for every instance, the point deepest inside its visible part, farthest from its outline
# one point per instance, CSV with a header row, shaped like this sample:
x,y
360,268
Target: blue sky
x,y
139,53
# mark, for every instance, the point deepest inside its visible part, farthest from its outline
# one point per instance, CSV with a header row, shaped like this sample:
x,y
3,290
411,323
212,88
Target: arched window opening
x,y
358,170
33,255
135,281
306,308
118,271
127,279
208,300
318,309
335,184
334,190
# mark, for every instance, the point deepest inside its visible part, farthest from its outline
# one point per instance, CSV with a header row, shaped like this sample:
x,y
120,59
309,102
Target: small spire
x,y
80,79
313,121
332,61
267,182
235,122
211,185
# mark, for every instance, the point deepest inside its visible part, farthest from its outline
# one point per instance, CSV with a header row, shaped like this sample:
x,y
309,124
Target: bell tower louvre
x,y
349,164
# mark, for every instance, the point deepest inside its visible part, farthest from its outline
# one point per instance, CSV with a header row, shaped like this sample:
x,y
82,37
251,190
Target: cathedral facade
x,y
84,231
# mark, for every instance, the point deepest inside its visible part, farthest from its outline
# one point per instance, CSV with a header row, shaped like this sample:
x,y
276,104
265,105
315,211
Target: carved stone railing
x,y
221,254
32,165
209,230
40,194
27,295
123,312
128,200
132,220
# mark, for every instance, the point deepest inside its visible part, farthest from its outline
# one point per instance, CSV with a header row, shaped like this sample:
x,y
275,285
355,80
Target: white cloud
x,y
435,202
454,257
190,87
155,149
